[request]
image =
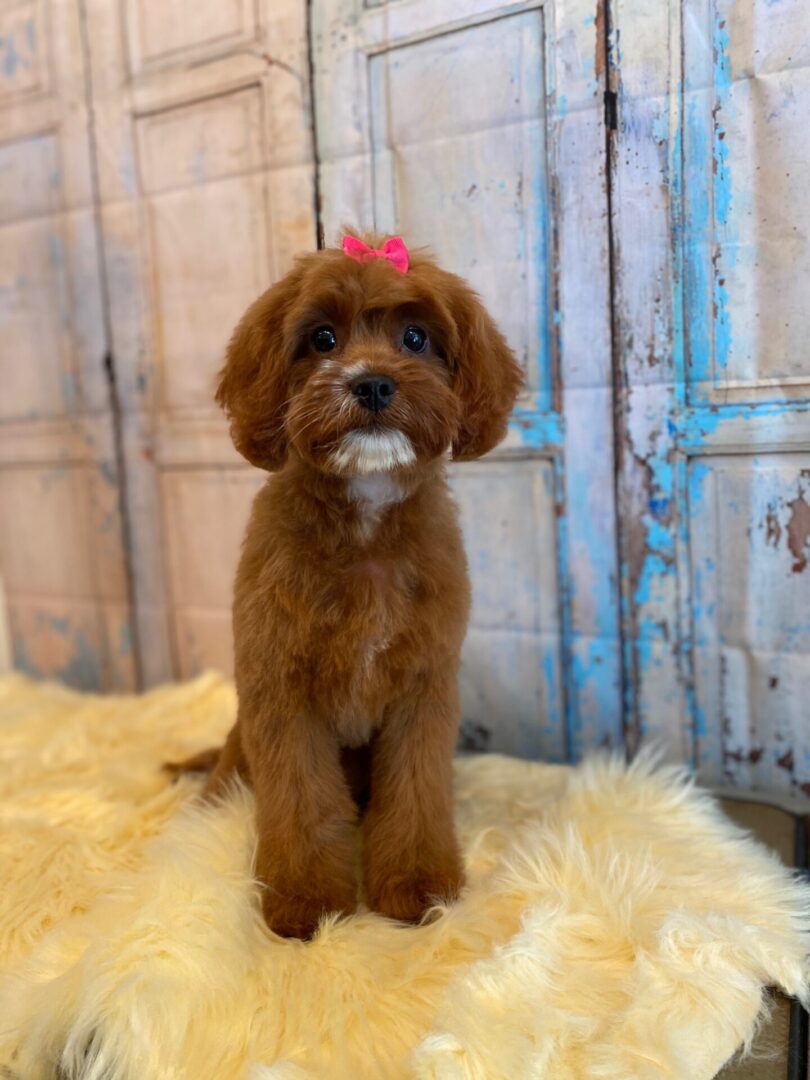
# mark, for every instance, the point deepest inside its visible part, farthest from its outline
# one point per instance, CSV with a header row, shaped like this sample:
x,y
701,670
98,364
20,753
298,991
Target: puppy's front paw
x,y
298,916
408,898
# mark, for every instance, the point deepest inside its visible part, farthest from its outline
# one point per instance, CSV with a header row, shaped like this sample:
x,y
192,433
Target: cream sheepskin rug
x,y
615,924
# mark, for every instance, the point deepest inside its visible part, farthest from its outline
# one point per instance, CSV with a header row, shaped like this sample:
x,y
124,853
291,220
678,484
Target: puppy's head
x,y
358,367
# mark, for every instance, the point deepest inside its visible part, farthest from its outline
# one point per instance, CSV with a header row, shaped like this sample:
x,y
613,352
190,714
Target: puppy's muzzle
x,y
373,392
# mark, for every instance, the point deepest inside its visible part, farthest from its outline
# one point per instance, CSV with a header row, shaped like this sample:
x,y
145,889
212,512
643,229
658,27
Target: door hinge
x,y
611,110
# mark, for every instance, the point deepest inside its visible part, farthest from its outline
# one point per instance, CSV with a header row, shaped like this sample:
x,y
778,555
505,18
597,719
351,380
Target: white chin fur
x,y
363,452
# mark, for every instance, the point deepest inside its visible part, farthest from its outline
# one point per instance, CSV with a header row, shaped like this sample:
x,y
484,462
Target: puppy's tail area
x,y
221,764
204,762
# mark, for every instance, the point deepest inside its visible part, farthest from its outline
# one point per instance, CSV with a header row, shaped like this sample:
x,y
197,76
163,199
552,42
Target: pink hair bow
x,y
394,250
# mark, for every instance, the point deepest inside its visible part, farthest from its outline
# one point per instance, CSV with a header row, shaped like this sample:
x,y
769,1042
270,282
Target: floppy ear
x,y
487,376
252,385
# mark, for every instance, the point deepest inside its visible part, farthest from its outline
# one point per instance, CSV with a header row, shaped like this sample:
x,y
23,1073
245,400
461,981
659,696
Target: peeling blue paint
x,y
22,658
127,174
706,212
482,561
537,431
591,662
58,623
541,260
56,250
726,256
55,475
109,523
694,202
70,395
107,470
703,251
553,714
83,669
593,675
12,60
585,696
199,165
697,425
125,639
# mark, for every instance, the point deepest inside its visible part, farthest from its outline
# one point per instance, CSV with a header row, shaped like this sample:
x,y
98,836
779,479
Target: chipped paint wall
x,y
205,192
477,128
62,553
155,176
713,323
640,545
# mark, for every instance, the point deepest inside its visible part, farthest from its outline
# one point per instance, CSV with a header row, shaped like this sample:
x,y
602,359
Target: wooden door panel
x,y
715,423
749,530
205,513
64,574
746,326
160,34
476,128
483,161
746,102
194,144
206,182
29,183
511,678
35,364
208,245
61,539
23,51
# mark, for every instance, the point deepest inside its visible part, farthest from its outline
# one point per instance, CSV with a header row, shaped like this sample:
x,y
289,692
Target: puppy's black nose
x,y
373,392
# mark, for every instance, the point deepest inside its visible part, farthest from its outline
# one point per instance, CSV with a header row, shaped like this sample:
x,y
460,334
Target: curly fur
x,y
351,599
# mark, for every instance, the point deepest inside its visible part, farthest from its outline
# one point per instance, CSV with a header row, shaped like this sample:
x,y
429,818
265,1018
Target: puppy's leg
x,y
305,817
411,853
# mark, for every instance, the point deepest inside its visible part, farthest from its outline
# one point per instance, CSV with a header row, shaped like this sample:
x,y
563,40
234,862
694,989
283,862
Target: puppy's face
x,y
358,368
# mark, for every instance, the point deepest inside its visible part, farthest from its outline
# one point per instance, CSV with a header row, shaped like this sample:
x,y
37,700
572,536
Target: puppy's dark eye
x,y
414,339
323,339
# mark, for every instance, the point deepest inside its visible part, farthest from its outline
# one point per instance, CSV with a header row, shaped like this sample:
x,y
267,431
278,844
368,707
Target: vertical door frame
x,y
642,60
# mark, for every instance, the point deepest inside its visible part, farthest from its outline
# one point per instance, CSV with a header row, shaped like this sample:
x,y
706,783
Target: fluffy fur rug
x,y
615,925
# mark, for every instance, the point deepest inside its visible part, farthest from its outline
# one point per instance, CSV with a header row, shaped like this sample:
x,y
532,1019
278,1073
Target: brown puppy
x,y
349,380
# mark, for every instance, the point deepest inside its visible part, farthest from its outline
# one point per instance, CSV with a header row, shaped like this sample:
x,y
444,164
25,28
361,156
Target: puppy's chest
x,y
370,629
375,587
375,600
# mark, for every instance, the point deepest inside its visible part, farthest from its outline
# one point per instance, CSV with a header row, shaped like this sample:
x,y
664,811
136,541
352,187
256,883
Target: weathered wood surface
x,y
713,422
476,129
205,158
61,547
640,546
